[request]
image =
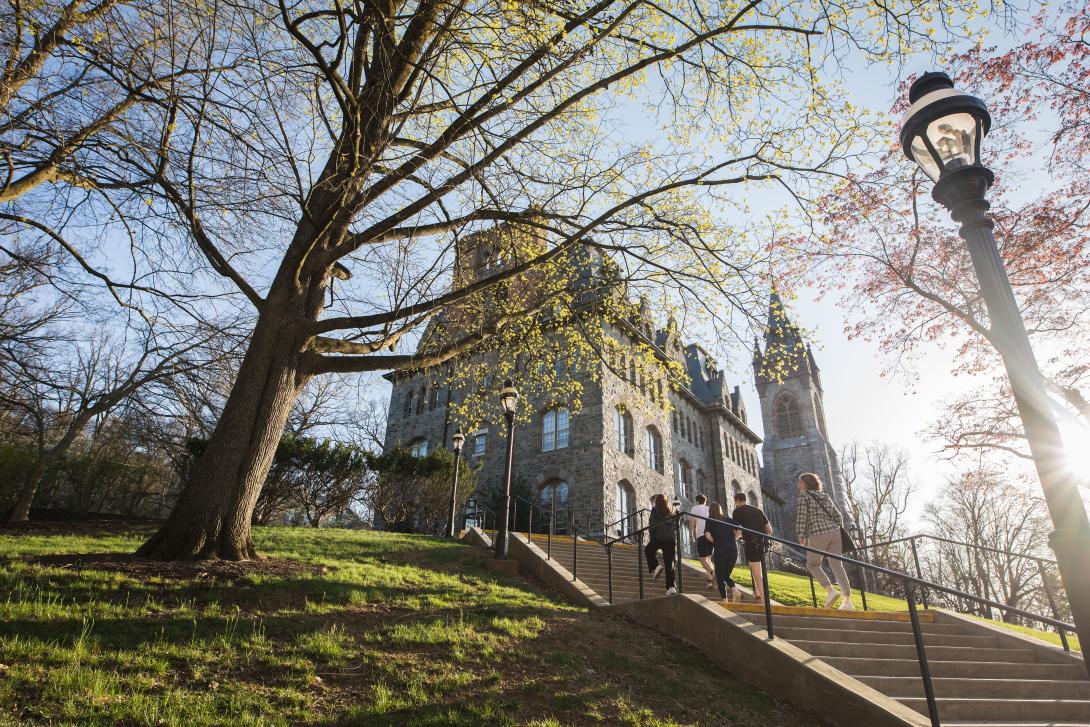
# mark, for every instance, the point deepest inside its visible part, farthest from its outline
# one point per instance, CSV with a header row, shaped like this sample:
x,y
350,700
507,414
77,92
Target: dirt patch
x,y
82,526
180,570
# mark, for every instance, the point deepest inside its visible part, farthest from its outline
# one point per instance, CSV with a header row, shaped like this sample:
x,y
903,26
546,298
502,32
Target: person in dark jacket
x,y
719,531
662,537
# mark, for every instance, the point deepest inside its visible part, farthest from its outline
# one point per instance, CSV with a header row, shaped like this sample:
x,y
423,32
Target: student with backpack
x,y
663,528
719,532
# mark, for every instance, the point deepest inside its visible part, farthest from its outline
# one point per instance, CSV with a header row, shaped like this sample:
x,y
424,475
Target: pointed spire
x,y
781,334
756,348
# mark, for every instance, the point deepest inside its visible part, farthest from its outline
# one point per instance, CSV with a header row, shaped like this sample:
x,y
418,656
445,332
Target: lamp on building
x,y
458,441
509,400
942,132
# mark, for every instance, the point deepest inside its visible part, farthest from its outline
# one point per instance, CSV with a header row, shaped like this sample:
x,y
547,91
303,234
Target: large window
x,y
623,424
419,448
421,400
788,420
684,478
554,430
554,496
480,441
654,450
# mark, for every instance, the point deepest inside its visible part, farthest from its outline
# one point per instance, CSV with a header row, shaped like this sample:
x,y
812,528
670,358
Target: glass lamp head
x,y
459,439
509,397
943,127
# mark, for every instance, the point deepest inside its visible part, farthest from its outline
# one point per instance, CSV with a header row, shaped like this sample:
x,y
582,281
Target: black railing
x,y
910,584
1039,560
630,523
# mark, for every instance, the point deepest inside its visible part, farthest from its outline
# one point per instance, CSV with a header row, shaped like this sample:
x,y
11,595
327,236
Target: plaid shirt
x,y
817,514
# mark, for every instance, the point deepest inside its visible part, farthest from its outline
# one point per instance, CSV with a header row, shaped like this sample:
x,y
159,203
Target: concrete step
x,y
991,723
868,666
857,632
974,688
853,615
1004,709
819,622
899,651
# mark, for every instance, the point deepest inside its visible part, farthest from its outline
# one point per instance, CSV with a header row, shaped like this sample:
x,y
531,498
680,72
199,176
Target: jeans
x,y
724,558
668,552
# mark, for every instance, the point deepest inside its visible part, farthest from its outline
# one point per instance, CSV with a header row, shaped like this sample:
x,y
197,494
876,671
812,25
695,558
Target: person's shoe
x,y
847,605
830,597
711,584
657,572
671,591
737,595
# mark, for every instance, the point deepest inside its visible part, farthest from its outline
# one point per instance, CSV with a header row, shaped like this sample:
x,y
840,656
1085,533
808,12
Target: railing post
x,y
919,573
530,527
552,528
767,596
1052,605
813,593
921,654
609,571
574,548
639,560
863,592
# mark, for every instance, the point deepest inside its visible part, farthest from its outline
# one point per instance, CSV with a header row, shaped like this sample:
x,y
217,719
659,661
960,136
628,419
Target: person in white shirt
x,y
703,545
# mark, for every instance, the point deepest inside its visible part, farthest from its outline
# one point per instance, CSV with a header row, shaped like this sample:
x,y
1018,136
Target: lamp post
x,y
942,132
509,399
458,440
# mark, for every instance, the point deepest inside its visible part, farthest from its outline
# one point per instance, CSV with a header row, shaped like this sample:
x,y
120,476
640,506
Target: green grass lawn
x,y
791,589
400,630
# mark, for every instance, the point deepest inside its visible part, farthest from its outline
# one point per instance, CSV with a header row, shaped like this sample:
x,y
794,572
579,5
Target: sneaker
x,y
671,591
657,572
830,597
847,605
711,584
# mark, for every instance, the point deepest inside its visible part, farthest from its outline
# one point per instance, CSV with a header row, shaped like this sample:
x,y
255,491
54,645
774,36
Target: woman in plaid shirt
x,y
818,526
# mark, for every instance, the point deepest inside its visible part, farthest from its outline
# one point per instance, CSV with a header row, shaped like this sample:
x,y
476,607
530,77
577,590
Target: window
x,y
433,403
554,495
419,448
673,419
554,430
421,400
654,450
409,402
626,505
623,424
751,499
684,478
689,429
735,486
479,442
788,421
701,482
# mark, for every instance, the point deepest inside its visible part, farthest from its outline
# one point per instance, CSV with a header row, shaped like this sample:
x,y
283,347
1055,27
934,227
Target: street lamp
x,y
458,440
509,399
942,132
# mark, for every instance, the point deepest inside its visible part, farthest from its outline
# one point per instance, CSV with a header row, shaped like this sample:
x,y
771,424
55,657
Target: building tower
x,y
796,438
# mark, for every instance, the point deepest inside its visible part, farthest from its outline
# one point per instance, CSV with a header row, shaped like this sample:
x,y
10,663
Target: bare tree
x,y
982,509
879,491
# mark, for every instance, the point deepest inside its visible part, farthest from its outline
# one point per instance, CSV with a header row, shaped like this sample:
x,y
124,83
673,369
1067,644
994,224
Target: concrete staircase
x,y
983,676
979,677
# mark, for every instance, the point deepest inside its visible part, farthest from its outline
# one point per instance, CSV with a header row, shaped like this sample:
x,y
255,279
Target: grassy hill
x,y
336,628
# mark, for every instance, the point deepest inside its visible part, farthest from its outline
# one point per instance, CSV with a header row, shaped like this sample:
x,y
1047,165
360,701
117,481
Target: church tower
x,y
796,438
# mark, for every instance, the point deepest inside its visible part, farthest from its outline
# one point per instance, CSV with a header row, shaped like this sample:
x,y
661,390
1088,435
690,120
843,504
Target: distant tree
x,y
983,509
333,476
879,490
412,494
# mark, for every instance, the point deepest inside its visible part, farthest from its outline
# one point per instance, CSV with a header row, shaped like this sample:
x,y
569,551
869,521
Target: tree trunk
x,y
212,516
20,512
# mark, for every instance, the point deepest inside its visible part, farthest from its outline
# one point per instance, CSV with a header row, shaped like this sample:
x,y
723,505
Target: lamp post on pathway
x,y
942,132
458,440
509,399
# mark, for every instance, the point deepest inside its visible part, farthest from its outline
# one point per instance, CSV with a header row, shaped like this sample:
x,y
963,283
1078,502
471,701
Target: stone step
x,y
991,723
898,651
1004,709
855,614
869,666
857,632
976,688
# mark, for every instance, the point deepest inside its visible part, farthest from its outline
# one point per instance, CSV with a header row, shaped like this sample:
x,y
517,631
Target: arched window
x,y
554,495
654,450
684,478
751,499
735,486
554,430
673,419
788,420
701,482
820,414
626,505
419,447
409,402
623,425
433,403
421,400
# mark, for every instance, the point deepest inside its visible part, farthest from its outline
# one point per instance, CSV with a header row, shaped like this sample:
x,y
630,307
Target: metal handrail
x,y
910,584
1038,559
638,513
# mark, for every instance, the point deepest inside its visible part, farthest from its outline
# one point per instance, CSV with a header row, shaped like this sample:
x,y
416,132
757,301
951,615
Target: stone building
x,y
796,438
621,447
